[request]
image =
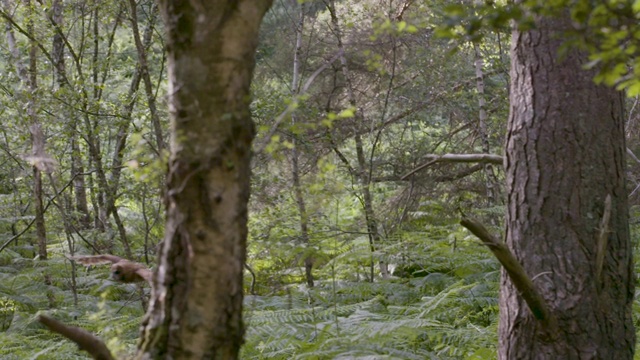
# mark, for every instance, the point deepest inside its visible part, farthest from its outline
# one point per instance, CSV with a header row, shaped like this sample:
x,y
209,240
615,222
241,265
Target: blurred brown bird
x,y
122,270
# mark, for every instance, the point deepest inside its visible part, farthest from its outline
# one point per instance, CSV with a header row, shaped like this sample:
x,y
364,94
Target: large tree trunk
x,y
565,156
196,305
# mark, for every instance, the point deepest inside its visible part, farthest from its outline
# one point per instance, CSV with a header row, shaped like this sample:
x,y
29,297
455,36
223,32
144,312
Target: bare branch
x,y
85,340
633,156
516,272
457,158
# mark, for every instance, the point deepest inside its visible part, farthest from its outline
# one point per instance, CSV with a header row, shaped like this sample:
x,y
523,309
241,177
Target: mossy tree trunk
x,y
196,306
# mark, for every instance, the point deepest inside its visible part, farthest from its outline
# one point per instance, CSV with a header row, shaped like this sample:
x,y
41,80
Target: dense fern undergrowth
x,y
441,303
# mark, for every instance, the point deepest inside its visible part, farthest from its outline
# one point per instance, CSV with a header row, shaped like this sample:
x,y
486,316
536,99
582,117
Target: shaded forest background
x,y
354,245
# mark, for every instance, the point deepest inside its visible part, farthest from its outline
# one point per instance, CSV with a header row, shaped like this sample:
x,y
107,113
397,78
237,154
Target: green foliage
x,y
112,311
608,30
414,96
449,313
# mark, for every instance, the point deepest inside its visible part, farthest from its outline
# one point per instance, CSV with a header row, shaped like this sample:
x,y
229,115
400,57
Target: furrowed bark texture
x,y
565,154
196,306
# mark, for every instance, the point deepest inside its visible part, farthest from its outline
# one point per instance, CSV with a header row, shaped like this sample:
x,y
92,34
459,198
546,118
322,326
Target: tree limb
x,y
633,156
457,158
85,340
516,272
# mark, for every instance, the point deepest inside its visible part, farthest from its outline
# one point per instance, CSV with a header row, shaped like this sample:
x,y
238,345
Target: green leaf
x,y
634,89
347,113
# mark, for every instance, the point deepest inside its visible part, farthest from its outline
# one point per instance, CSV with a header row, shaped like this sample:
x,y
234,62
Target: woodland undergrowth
x,y
441,303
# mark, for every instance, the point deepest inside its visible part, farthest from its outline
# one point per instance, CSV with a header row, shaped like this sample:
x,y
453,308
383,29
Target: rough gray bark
x,y
196,305
565,154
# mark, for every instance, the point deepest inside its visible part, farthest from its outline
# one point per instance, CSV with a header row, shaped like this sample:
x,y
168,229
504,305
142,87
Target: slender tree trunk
x,y
41,231
64,207
106,196
565,156
295,152
123,129
102,198
304,218
37,139
144,73
94,196
57,45
59,73
40,162
362,173
196,306
100,188
77,167
79,183
490,178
